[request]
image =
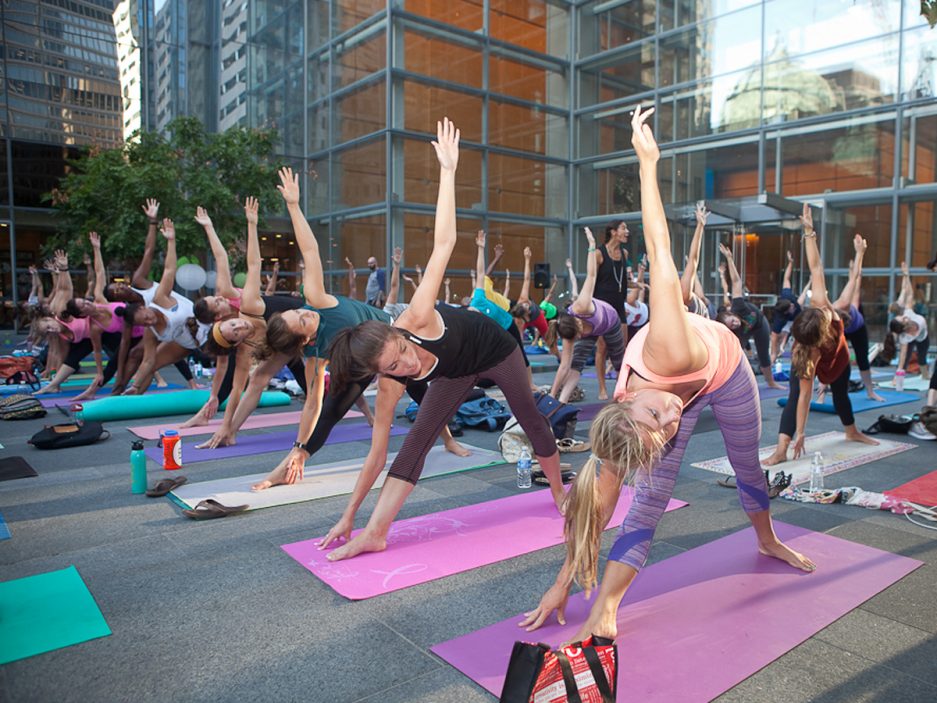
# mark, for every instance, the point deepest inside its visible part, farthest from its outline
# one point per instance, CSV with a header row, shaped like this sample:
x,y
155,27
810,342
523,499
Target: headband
x,y
218,337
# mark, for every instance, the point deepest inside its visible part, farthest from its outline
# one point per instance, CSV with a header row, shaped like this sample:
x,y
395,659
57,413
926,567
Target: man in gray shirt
x,y
377,282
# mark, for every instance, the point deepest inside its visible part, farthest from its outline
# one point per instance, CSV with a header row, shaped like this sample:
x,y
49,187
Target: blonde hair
x,y
619,444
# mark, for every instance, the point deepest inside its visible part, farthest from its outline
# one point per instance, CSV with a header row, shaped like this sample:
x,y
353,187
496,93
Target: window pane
x,y
357,238
920,220
525,187
723,172
424,105
873,221
727,103
533,24
464,14
514,237
436,57
418,245
924,129
517,78
676,13
527,129
803,26
348,13
360,112
920,67
354,59
358,175
848,158
605,135
618,26
420,174
620,77
317,186
608,190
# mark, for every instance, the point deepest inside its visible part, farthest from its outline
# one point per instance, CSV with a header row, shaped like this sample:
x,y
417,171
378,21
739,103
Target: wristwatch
x,y
297,444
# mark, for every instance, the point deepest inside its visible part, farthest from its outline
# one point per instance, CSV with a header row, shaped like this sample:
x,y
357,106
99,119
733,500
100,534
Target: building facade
x,y
760,105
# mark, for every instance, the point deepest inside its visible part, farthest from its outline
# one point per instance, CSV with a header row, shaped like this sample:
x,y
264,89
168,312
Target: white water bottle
x,y
816,473
523,469
777,368
899,379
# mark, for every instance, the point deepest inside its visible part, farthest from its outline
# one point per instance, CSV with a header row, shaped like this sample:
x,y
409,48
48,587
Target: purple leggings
x,y
443,399
737,408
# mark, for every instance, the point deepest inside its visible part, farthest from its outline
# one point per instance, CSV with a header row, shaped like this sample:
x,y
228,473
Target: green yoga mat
x,y
129,407
46,612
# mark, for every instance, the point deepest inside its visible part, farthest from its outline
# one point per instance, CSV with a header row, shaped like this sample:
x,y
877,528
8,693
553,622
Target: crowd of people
x,y
671,349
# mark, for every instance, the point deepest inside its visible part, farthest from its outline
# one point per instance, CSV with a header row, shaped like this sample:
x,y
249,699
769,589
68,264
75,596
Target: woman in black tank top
x,y
449,348
611,285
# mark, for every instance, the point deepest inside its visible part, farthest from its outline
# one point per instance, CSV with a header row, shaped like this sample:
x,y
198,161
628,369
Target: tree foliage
x,y
929,11
187,167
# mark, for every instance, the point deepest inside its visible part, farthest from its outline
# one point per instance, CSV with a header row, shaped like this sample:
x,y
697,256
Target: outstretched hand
x,y
289,185
251,207
447,145
590,238
480,238
168,230
642,138
702,214
202,216
725,251
348,263
61,259
528,253
569,263
95,240
151,208
904,268
806,218
860,244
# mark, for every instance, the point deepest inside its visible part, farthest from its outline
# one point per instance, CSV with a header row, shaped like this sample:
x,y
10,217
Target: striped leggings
x,y
737,408
443,399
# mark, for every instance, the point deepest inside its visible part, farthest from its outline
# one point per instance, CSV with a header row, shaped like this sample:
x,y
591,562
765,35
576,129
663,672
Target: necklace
x,y
618,274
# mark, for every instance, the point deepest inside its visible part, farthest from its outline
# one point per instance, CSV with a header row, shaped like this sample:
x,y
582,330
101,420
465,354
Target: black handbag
x,y
69,435
893,424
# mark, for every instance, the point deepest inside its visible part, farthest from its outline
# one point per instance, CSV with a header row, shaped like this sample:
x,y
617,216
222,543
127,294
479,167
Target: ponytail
x,y
128,312
354,351
584,524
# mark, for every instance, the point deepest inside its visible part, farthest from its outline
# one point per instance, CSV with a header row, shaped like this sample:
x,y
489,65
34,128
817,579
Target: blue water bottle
x,y
523,469
137,467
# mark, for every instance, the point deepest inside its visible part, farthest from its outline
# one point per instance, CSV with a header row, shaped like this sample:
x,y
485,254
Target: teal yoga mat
x,y
860,401
45,612
129,407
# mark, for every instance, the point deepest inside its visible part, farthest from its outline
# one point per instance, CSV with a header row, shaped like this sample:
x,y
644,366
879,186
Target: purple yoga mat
x,y
766,392
695,625
429,547
249,444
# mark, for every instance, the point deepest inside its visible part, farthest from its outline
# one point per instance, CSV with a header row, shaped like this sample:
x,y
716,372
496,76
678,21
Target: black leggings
x,y
335,406
860,345
514,332
921,348
296,367
110,342
761,336
840,390
443,399
183,366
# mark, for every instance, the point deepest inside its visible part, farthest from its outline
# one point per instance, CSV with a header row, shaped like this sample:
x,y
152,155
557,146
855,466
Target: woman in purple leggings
x,y
677,364
448,348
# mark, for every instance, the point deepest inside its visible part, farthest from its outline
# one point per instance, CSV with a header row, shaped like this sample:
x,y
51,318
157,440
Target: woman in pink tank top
x,y
676,365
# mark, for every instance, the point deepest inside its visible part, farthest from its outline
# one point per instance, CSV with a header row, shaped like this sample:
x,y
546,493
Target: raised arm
x,y
251,302
549,294
223,285
906,296
861,246
164,292
671,347
352,280
100,277
444,236
636,293
272,280
819,298
313,278
525,286
582,305
445,284
573,281
788,270
394,293
499,252
479,258
63,284
419,274
733,272
507,284
688,279
726,298
849,290
89,276
140,276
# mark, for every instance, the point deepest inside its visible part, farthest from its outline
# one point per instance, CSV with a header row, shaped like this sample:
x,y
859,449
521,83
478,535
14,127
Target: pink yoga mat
x,y
429,547
254,422
250,444
695,625
53,400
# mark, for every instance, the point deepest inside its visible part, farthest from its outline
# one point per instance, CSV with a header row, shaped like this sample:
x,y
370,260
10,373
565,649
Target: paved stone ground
x,y
214,611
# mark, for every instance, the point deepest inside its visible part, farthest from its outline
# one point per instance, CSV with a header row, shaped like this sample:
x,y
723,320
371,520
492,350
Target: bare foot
x,y
774,384
277,477
854,435
875,396
559,498
778,457
781,551
603,394
161,382
197,420
455,448
364,541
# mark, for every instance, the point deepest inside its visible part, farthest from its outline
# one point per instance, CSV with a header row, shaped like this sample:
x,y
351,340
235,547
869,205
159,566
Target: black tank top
x,y
611,280
280,303
470,343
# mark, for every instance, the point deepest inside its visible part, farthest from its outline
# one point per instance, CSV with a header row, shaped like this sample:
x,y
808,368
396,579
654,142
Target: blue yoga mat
x,y
532,349
4,530
861,402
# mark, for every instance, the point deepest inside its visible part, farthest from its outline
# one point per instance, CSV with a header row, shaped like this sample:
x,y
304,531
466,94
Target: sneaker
x,y
918,431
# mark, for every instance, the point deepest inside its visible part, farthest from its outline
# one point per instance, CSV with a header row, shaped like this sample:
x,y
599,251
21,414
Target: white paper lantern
x,y
210,279
190,276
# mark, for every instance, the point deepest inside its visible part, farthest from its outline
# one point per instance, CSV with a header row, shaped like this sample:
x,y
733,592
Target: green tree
x,y
929,10
183,169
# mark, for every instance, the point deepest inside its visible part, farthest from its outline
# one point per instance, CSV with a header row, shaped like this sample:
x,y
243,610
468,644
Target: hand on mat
x,y
223,437
341,531
798,445
554,599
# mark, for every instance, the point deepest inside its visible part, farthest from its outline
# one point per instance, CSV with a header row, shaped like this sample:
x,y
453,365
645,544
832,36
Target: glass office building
x,y
760,106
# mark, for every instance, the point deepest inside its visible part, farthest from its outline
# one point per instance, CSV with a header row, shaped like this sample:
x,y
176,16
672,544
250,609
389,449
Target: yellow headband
x,y
218,337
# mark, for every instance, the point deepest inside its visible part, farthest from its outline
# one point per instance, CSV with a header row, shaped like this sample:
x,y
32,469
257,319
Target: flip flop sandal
x,y
568,444
210,509
540,478
727,482
165,486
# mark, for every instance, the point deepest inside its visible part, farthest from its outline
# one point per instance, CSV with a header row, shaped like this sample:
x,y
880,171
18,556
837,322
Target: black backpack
x,y
20,406
893,424
69,435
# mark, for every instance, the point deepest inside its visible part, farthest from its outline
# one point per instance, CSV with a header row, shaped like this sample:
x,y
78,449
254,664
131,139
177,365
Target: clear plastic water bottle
x,y
777,368
816,473
899,379
523,469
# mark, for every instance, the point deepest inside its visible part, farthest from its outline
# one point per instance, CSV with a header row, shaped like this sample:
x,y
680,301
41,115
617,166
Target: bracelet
x,y
812,234
591,249
297,444
154,222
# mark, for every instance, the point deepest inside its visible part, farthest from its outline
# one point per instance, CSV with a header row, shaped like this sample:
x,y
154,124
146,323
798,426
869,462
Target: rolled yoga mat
x,y
695,625
861,402
129,407
45,612
248,445
838,453
254,422
323,481
429,547
922,491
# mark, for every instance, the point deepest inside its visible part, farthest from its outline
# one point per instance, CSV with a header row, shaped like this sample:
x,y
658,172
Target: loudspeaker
x,y
542,275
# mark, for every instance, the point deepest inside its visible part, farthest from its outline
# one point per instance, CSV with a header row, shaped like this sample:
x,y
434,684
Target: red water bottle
x,y
172,450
